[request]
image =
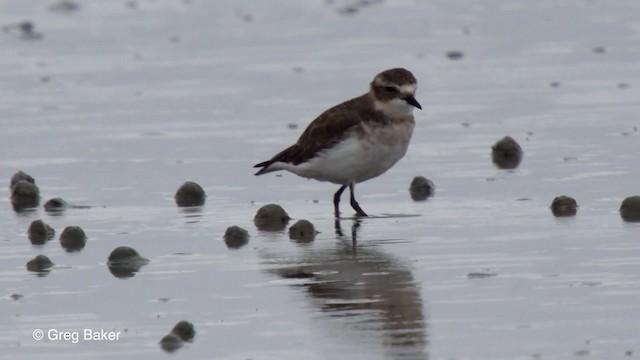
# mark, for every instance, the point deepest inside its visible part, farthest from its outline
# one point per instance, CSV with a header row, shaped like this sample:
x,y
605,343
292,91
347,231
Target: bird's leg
x,y
336,200
354,203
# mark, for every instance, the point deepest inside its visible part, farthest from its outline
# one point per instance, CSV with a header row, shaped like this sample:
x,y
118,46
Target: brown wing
x,y
323,132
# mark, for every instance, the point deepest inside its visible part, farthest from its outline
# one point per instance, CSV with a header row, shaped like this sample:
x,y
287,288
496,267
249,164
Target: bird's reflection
x,y
365,290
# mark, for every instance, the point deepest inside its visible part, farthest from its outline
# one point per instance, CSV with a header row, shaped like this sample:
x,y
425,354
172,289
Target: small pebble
x,y
271,217
421,188
73,238
40,263
39,232
190,194
236,237
302,231
24,195
564,206
55,204
506,153
455,55
630,209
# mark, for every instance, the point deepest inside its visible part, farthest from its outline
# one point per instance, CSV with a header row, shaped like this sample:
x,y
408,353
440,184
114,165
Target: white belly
x,y
359,157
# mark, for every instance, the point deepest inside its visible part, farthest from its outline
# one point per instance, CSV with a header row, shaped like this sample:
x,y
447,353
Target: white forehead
x,y
408,88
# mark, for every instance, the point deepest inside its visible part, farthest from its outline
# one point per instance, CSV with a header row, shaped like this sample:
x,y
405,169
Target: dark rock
x,y
506,153
564,206
190,194
24,195
630,209
302,231
170,343
39,232
184,330
40,264
421,188
124,262
236,237
55,204
21,175
73,238
271,217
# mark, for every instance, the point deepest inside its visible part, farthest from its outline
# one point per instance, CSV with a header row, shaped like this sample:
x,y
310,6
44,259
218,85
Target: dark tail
x,y
265,166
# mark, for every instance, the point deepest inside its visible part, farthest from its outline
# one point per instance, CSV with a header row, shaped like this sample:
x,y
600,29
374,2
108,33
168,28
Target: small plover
x,y
357,140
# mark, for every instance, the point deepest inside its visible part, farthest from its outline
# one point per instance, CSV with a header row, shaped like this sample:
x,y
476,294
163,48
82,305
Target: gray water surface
x,y
118,103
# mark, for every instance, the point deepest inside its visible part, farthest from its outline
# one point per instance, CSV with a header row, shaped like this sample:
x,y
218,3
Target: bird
x,y
356,140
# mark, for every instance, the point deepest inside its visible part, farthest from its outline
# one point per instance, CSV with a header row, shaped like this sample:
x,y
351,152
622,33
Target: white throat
x,y
396,108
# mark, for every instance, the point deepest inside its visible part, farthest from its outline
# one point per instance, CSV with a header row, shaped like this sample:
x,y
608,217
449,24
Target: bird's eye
x,y
389,89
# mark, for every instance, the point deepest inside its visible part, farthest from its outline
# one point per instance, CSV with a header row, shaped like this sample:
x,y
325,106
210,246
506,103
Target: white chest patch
x,y
361,156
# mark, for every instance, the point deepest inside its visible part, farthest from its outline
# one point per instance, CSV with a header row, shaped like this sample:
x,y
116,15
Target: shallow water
x,y
119,103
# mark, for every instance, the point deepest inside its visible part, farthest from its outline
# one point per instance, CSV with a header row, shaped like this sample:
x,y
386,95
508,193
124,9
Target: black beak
x,y
412,100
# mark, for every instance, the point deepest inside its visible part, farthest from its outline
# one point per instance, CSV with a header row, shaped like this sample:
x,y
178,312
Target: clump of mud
x,y
271,217
564,206
630,209
506,153
236,237
302,231
421,188
39,232
24,192
125,262
73,238
190,194
181,332
39,264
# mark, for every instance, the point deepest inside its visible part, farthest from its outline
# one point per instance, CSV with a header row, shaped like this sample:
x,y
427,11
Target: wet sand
x,y
117,104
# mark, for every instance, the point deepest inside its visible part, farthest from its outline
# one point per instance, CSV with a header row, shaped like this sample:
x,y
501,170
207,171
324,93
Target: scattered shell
x,y
73,238
421,188
190,194
271,217
40,264
302,231
236,237
630,209
39,232
506,153
564,206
